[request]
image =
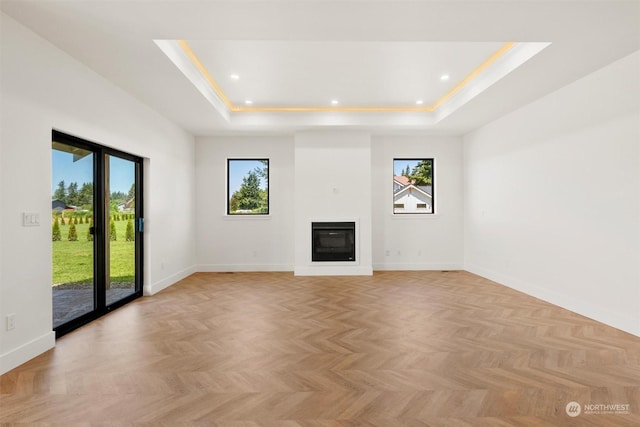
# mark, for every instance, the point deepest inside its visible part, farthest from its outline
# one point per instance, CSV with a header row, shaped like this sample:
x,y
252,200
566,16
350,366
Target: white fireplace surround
x,y
326,191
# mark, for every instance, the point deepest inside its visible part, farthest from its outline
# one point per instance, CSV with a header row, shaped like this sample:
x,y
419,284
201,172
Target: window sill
x,y
415,216
246,217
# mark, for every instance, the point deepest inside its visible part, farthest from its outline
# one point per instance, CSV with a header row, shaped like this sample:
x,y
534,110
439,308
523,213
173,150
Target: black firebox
x,y
333,241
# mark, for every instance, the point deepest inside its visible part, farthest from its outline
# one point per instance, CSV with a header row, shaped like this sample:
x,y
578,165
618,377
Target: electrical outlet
x,y
11,321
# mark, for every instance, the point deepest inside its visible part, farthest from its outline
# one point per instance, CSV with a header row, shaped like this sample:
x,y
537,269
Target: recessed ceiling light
x,y
248,102
444,77
419,102
334,102
234,77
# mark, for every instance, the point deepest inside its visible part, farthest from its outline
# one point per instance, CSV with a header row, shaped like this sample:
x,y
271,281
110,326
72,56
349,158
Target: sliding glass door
x,y
121,241
96,230
72,207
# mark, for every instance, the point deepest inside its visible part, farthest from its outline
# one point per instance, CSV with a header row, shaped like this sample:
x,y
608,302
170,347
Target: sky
x,y
122,171
238,169
400,165
81,171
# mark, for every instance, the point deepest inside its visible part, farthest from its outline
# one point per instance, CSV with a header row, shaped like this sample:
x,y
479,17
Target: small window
x,y
413,184
247,186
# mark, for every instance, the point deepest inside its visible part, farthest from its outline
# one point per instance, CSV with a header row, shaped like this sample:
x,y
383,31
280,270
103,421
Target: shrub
x,y
62,220
55,231
89,235
73,234
112,230
129,237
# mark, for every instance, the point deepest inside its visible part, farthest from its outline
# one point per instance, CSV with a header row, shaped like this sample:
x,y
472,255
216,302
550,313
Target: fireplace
x,y
333,241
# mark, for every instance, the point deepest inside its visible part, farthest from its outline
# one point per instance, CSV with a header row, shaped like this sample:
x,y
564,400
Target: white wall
x,y
267,244
255,243
552,194
332,183
418,242
43,88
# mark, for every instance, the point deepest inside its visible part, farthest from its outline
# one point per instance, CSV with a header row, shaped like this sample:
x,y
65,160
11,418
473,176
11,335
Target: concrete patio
x,y
73,300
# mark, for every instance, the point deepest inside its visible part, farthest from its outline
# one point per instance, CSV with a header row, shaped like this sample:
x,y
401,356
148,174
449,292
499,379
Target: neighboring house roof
x,y
424,189
402,180
127,204
404,183
58,205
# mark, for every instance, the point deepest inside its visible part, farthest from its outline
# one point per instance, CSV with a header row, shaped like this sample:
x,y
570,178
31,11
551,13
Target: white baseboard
x,y
156,287
333,271
26,352
323,270
570,302
238,268
415,267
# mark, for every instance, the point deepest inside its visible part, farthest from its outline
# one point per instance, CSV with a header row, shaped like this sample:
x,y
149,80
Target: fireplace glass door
x,y
333,241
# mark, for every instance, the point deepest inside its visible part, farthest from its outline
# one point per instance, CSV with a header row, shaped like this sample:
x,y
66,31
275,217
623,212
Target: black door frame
x,y
100,236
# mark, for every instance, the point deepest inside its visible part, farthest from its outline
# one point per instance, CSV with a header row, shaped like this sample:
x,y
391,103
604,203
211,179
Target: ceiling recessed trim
x,y
428,109
216,88
501,62
504,49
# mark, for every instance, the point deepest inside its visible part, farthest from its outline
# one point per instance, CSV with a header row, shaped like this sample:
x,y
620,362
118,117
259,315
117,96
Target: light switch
x,y
30,219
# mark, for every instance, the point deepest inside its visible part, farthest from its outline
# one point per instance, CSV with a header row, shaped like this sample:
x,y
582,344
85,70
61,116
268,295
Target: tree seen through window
x,y
247,186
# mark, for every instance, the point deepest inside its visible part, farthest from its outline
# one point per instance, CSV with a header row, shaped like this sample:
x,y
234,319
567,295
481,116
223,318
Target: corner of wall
x,y
17,356
160,285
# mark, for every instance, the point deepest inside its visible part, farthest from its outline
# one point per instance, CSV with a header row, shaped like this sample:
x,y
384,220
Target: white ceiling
x,y
368,73
361,53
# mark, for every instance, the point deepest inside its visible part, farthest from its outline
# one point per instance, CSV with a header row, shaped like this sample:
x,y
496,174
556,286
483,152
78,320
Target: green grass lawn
x,y
73,261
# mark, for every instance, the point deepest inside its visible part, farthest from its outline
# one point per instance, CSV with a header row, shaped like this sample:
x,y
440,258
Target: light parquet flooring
x,y
269,349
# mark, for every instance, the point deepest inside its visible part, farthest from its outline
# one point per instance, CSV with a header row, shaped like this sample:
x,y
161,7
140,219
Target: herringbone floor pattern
x,y
271,349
